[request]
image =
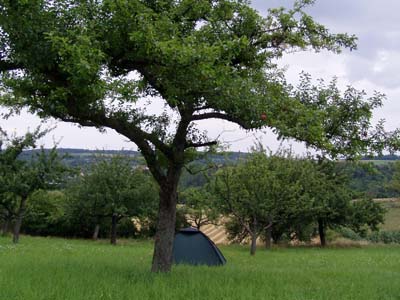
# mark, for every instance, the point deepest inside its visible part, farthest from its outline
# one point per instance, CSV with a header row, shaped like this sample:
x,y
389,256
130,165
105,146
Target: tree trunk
x,y
268,233
268,237
96,232
321,231
114,220
253,234
18,220
164,238
253,246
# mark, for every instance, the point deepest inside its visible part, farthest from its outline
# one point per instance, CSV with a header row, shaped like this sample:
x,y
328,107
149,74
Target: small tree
x,y
366,215
113,189
20,179
199,206
261,194
331,203
45,213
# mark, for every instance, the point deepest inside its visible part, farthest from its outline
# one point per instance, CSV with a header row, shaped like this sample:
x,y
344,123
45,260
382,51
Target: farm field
x,y
49,268
392,216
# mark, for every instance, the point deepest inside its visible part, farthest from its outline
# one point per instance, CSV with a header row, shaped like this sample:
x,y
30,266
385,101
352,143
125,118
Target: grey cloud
x,y
376,25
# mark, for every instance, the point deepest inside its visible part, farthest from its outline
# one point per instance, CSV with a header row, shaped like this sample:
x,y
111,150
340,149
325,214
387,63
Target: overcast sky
x,y
374,66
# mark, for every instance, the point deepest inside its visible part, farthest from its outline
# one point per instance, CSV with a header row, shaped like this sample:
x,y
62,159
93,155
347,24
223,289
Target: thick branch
x,y
197,145
219,115
179,143
9,66
131,131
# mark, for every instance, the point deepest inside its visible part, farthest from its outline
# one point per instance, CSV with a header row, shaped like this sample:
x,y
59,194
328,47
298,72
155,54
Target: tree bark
x,y
164,238
114,220
96,232
253,246
321,231
18,220
253,234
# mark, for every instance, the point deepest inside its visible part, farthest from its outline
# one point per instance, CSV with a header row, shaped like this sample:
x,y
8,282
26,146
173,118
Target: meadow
x,y
52,269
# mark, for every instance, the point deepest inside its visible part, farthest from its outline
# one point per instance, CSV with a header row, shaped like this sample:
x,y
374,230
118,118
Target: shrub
x,y
386,237
349,234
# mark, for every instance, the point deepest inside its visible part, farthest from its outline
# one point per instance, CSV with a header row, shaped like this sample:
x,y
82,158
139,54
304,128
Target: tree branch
x,y
219,115
130,130
9,66
197,145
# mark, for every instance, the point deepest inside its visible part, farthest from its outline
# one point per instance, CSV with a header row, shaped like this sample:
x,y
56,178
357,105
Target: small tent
x,y
193,247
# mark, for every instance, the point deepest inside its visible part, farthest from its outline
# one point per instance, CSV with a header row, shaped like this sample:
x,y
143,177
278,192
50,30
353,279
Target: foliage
x,y
349,234
394,183
46,214
367,215
20,179
111,188
386,237
199,206
371,180
260,193
293,196
383,236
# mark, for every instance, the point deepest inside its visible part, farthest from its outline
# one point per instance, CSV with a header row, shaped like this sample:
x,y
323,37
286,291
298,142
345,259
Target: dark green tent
x,y
193,247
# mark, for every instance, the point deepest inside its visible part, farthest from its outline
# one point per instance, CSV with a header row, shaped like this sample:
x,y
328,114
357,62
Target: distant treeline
x,y
383,157
371,178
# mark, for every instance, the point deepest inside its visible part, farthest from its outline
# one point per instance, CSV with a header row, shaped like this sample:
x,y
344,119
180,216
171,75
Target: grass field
x,y
52,269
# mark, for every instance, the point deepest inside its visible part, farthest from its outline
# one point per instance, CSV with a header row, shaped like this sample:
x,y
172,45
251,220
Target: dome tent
x,y
193,247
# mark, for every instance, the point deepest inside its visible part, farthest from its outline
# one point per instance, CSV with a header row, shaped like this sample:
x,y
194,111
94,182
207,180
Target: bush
x,y
386,237
349,234
45,214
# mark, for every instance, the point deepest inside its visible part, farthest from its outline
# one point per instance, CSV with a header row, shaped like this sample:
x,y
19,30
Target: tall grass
x,y
52,269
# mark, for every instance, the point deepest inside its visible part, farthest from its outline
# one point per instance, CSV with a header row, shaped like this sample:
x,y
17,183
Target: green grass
x,y
40,268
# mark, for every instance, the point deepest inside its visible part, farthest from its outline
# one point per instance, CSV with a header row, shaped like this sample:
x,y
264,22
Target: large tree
x,y
89,62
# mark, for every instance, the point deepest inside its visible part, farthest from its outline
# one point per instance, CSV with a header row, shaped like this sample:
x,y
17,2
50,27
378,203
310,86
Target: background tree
x,y
113,189
7,209
263,195
366,215
45,214
74,60
199,207
332,204
243,192
20,179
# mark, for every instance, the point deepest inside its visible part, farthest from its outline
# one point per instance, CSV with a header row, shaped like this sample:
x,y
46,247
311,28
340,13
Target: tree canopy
x,y
112,189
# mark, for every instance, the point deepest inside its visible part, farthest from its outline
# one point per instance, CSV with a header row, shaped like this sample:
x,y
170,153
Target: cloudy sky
x,y
374,66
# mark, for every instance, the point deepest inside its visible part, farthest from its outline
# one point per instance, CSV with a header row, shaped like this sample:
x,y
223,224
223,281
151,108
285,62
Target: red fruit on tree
x,y
263,116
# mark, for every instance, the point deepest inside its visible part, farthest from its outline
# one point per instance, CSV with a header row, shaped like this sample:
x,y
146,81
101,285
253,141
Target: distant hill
x,y
85,157
373,183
